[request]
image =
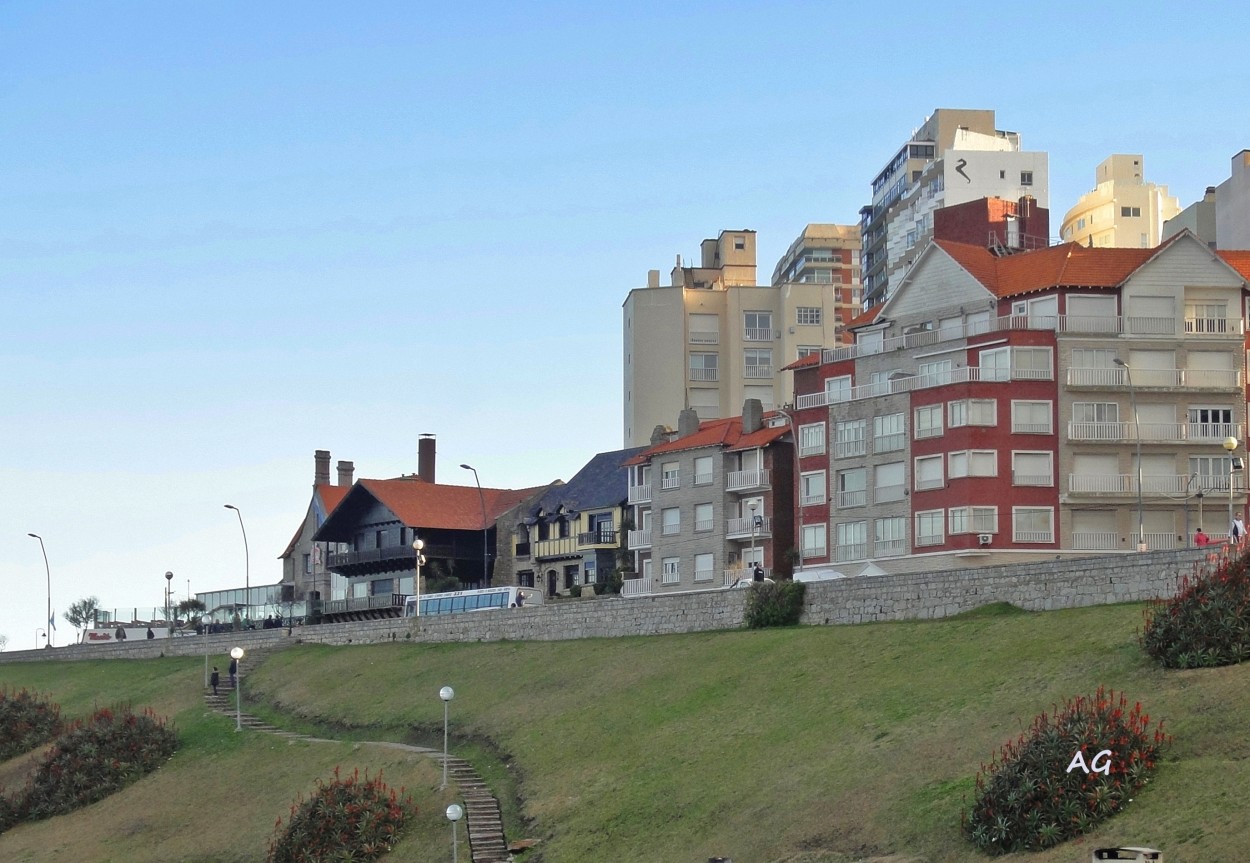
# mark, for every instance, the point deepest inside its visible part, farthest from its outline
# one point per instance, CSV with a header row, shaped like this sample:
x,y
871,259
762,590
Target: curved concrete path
x,y
482,816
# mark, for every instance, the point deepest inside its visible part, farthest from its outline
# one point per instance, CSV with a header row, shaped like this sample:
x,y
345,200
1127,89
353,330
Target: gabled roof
x,y
867,316
1067,265
1237,259
602,482
811,360
726,433
330,496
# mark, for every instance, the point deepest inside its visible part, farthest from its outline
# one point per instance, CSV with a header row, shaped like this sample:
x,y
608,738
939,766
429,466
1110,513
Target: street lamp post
x,y
454,813
1132,394
169,586
236,653
1234,465
417,545
447,694
751,506
204,621
48,572
247,560
482,502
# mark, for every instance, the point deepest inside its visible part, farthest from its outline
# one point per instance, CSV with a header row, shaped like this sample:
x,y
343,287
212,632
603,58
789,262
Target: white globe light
x,y
447,693
455,812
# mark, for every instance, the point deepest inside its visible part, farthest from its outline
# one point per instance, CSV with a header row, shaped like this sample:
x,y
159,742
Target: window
x,y
974,462
1207,423
807,315
928,472
1031,417
703,517
669,475
1206,318
1130,212
704,329
703,470
670,521
1032,524
996,364
837,389
703,367
671,570
973,519
757,363
852,487
934,373
889,482
814,540
704,566
1032,468
807,351
929,527
1212,472
852,540
812,488
928,422
308,564
740,243
646,569
887,433
849,438
890,536
759,326
1031,364
1026,178
812,439
972,412
1095,412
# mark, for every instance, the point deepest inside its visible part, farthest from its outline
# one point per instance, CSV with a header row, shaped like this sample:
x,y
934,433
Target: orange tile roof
x,y
449,507
719,432
1237,259
811,360
331,495
867,316
1070,264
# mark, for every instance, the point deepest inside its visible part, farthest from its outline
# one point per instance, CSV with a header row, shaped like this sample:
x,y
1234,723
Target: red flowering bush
x,y
346,819
1207,622
26,721
1037,792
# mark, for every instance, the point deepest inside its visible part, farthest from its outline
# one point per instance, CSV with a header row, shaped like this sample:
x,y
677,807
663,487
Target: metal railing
x,y
1154,432
1034,479
640,493
705,374
854,551
1165,378
363,603
757,371
739,480
758,334
1095,541
1033,536
890,547
639,539
602,536
887,493
741,527
852,498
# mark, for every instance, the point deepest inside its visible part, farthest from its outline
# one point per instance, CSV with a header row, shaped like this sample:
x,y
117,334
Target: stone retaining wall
x,y
1033,586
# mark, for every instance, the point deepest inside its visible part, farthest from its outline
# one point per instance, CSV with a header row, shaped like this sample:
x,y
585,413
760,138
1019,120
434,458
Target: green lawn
x,y
807,744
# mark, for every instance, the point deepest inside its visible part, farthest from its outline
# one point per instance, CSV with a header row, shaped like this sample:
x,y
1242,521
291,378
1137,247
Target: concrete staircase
x,y
483,819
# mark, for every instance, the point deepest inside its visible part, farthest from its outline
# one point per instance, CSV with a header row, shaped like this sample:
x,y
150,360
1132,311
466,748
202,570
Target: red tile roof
x,y
1238,260
811,360
450,507
331,495
719,432
1070,265
867,316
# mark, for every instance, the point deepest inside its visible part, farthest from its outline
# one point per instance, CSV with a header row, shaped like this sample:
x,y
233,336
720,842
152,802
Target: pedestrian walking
x,y
214,680
1200,538
234,670
1238,532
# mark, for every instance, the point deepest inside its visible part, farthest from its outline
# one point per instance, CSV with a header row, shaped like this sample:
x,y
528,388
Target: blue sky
x,y
233,233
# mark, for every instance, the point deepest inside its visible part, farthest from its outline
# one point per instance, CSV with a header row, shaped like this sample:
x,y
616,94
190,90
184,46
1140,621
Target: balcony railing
x,y
1034,479
640,493
1033,536
852,498
1095,541
1153,432
705,374
1028,428
703,338
670,481
757,334
812,449
598,537
741,480
1156,541
854,551
848,448
639,539
704,575
363,603
757,371
747,573
1214,327
812,499
560,547
703,525
740,528
889,442
890,547
1167,484
964,374
1160,378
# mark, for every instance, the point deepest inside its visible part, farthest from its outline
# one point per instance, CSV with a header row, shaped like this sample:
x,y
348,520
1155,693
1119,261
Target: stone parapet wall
x,y
1036,586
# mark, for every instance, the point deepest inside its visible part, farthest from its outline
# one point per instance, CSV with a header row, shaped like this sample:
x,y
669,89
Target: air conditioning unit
x,y
985,538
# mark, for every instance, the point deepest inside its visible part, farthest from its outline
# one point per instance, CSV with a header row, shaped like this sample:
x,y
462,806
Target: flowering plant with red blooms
x,y
345,819
26,721
1034,796
1207,622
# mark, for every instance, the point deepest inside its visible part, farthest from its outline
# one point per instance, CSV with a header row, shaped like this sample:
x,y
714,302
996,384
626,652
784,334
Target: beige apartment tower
x,y
714,338
1123,210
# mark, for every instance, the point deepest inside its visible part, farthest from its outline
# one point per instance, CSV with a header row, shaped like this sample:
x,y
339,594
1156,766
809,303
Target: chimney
x,y
659,435
752,415
653,278
321,473
346,469
687,422
425,457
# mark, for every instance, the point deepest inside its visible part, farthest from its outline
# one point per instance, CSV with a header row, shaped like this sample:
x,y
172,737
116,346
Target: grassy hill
x,y
809,744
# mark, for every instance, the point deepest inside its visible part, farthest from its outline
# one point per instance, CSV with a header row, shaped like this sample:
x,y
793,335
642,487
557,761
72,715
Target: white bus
x,y
473,600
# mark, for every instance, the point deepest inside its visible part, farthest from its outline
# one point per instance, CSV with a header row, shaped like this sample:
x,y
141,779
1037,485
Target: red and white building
x,y
1062,400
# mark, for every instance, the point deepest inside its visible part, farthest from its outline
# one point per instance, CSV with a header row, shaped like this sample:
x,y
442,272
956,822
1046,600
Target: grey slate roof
x,y
602,482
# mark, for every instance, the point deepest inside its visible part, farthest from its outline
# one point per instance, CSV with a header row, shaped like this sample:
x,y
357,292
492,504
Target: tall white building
x,y
1123,210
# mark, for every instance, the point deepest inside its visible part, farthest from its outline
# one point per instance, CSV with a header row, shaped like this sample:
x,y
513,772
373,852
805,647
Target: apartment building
x,y
714,338
1122,210
954,157
826,255
711,502
1064,400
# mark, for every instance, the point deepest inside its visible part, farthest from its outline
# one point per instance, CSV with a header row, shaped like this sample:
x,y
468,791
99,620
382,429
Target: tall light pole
x,y
1230,444
247,559
204,622
417,545
751,506
169,586
482,501
454,813
1132,394
447,694
236,653
47,571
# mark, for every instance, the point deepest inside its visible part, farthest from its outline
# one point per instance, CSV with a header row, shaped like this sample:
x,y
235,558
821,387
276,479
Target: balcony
x,y
963,374
854,551
704,338
889,442
1031,479
1095,541
639,539
756,334
565,546
811,449
1119,432
640,493
813,499
890,547
745,573
746,480
757,371
670,481
603,538
740,528
705,374
1218,327
1033,536
1157,541
1195,379
849,448
852,498
1178,485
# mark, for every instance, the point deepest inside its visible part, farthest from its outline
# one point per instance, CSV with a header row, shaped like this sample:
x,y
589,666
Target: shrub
x,y
1207,622
777,603
345,819
93,759
1032,796
26,721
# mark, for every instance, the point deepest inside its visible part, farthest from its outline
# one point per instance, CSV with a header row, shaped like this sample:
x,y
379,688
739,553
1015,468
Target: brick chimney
x,y
752,415
687,422
659,435
321,471
425,457
346,469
